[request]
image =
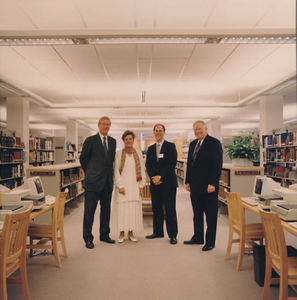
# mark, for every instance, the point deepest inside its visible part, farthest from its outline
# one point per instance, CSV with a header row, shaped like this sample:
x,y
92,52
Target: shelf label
x,y
247,173
45,173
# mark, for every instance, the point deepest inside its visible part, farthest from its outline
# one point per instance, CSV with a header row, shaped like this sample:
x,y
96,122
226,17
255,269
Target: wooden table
x,y
255,210
39,212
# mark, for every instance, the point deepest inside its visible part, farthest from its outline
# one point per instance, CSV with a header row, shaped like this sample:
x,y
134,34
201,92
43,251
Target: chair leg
x,y
241,252
56,252
283,287
229,243
24,280
63,241
267,280
3,288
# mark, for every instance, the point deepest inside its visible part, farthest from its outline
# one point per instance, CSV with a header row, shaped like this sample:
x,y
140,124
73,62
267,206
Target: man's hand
x,y
156,179
122,191
211,188
140,190
188,187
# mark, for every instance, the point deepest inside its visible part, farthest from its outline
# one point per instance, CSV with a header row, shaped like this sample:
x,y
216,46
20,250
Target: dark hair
x,y
128,132
159,125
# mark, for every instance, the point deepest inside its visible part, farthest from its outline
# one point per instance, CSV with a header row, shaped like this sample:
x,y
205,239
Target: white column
x,y
72,134
214,129
271,116
18,120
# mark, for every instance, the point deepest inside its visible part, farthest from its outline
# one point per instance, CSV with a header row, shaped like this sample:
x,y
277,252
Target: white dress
x,y
127,209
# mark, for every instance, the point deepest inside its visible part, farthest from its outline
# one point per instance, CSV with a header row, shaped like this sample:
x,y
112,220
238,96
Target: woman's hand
x,y
140,190
122,191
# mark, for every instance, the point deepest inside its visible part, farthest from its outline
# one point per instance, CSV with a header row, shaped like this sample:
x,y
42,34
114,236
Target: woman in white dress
x,y
129,179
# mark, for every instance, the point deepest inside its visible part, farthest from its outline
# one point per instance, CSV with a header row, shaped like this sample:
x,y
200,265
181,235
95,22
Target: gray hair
x,y
201,122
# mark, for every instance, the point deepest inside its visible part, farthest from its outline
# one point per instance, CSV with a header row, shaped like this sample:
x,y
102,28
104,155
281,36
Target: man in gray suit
x,y
97,159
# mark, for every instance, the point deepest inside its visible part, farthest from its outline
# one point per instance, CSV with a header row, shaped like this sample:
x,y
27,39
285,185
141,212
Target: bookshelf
x,y
280,157
237,179
180,169
11,161
57,178
41,151
70,152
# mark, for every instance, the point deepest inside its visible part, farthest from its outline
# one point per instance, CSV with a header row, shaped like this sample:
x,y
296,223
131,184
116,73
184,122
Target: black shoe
x,y
207,248
192,242
153,236
173,241
107,240
89,245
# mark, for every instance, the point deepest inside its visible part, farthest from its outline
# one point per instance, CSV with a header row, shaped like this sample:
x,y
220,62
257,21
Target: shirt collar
x,y
102,136
161,144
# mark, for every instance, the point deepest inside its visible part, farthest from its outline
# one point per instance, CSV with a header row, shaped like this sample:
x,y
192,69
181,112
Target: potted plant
x,y
243,150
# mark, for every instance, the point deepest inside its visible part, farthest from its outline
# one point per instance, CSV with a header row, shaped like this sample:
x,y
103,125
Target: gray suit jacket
x,y
96,165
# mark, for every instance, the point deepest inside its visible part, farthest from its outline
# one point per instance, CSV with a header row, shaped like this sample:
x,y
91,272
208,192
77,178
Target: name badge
x,y
161,155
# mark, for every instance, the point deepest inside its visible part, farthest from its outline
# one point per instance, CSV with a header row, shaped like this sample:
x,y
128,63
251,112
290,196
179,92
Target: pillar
x,y
18,120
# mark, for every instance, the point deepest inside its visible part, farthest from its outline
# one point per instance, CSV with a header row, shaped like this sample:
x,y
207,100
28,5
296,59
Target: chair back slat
x,y
235,209
275,239
58,213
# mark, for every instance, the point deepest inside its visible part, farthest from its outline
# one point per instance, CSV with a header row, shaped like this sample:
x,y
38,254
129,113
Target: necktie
x,y
104,145
197,148
158,151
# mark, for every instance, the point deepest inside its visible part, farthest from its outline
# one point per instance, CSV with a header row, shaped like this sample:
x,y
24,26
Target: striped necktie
x,y
197,148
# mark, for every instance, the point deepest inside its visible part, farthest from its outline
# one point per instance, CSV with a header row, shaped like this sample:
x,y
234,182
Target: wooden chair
x,y
13,252
45,233
147,200
277,257
248,233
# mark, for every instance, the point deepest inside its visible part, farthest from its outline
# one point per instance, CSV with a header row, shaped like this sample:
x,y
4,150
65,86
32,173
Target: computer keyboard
x,y
50,199
250,201
1,225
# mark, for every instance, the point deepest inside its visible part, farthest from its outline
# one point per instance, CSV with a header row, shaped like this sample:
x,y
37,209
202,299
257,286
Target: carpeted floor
x,y
146,270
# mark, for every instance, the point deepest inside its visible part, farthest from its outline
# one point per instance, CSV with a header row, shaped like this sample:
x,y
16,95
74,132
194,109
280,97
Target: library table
x,y
255,210
39,212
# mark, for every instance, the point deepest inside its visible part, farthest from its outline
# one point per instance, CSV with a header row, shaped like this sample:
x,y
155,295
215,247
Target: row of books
x,y
11,156
280,155
70,147
11,184
224,179
74,190
180,164
36,143
40,156
70,155
180,172
280,171
11,171
280,140
9,141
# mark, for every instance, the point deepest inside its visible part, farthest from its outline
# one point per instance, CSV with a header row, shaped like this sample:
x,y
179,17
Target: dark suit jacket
x,y
96,165
165,167
207,167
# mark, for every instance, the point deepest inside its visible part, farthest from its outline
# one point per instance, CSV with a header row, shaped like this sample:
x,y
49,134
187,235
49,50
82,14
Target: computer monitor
x,y
264,186
35,185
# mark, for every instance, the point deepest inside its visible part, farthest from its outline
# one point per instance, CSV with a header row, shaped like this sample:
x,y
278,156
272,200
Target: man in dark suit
x,y
202,180
160,165
97,159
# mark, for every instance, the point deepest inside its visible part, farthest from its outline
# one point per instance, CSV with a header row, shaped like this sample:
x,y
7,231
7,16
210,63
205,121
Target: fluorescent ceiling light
x,y
11,89
35,42
109,41
147,40
258,40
